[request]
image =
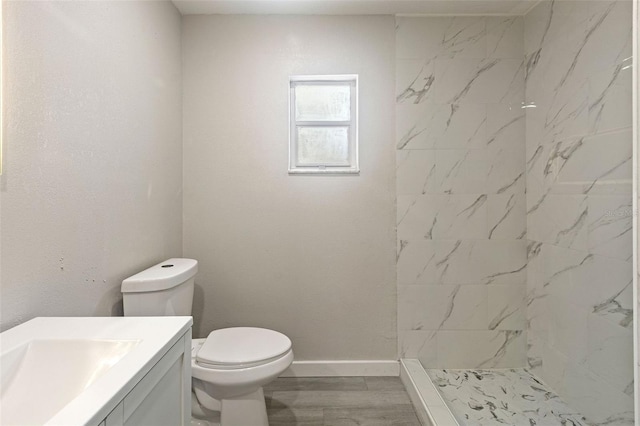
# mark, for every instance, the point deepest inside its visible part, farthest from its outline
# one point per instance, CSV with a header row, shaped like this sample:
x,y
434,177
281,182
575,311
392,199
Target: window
x,y
323,133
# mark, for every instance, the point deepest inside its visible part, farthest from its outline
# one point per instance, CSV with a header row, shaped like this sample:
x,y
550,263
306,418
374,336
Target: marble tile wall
x,y
579,212
461,205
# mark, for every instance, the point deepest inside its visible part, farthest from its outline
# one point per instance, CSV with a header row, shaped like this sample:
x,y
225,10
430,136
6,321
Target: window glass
x,y
323,124
323,145
320,102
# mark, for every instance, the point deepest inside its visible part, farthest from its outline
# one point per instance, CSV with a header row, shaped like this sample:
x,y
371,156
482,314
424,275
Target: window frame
x,y
352,166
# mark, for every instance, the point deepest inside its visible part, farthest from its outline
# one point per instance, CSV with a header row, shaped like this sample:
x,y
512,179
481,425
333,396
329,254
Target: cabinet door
x,y
158,399
163,405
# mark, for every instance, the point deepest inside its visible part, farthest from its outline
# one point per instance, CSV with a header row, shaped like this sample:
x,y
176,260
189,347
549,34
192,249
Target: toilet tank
x,y
164,289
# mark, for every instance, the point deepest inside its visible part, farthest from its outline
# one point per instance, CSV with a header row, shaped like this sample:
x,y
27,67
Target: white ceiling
x,y
355,7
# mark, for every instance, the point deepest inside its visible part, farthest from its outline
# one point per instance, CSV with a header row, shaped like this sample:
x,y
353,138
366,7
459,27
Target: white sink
x,y
53,372
76,371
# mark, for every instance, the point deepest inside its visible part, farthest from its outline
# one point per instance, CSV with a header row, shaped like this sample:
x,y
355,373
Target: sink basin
x,y
78,370
53,372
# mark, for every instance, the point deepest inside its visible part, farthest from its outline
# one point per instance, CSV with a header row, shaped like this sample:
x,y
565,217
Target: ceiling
x,y
355,7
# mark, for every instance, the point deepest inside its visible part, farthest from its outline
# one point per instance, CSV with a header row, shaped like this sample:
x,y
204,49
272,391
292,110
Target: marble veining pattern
x,y
514,208
461,205
579,207
503,397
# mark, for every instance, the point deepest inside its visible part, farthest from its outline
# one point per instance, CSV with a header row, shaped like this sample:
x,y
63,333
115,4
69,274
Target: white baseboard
x,y
342,368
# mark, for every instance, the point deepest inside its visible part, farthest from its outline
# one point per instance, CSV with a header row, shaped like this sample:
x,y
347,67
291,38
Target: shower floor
x,y
502,397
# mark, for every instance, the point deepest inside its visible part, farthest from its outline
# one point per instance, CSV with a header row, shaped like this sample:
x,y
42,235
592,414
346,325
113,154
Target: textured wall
x,y
579,204
91,190
460,191
311,256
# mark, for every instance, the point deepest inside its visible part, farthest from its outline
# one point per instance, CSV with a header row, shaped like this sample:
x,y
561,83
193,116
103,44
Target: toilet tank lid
x,y
162,276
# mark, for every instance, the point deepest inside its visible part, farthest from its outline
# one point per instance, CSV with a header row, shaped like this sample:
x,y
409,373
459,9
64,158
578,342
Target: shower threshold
x,y
485,397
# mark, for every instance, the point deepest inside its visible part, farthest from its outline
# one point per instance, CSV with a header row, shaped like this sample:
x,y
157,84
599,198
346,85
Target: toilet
x,y
230,366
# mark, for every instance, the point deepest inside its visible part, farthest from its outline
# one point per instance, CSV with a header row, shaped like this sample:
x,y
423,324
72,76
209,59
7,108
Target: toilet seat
x,y
241,347
232,382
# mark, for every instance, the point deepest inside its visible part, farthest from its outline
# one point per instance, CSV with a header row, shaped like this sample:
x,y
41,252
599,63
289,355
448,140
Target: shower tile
x,y
415,124
414,81
506,216
558,219
535,349
505,127
428,125
460,37
594,397
603,285
591,169
416,262
568,330
420,306
413,40
461,217
554,368
442,307
608,40
419,344
537,303
560,112
565,69
546,22
610,98
464,308
481,349
463,37
561,264
537,313
506,307
548,161
578,154
505,37
415,172
461,171
505,171
481,262
416,215
482,81
609,226
609,341
461,214
442,216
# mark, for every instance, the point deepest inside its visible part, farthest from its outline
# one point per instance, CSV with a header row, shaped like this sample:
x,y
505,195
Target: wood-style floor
x,y
339,401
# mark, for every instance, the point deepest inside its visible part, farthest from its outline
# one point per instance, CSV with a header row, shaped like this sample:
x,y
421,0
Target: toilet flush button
x,y
167,266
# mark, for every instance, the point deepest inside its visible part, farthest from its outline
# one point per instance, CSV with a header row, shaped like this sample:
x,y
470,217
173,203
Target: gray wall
x,y
311,256
91,190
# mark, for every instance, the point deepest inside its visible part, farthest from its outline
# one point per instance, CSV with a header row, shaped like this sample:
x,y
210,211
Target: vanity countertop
x,y
151,338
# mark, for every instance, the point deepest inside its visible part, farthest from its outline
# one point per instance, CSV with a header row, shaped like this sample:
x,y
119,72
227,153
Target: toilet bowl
x,y
230,366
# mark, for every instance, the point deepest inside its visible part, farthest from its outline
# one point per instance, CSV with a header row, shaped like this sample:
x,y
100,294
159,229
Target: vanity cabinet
x,y
163,396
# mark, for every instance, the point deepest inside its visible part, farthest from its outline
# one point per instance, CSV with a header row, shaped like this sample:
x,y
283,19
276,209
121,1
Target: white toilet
x,y
230,366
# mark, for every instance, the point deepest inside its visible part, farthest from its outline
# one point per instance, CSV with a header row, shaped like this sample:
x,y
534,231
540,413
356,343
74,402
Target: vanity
x,y
97,371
